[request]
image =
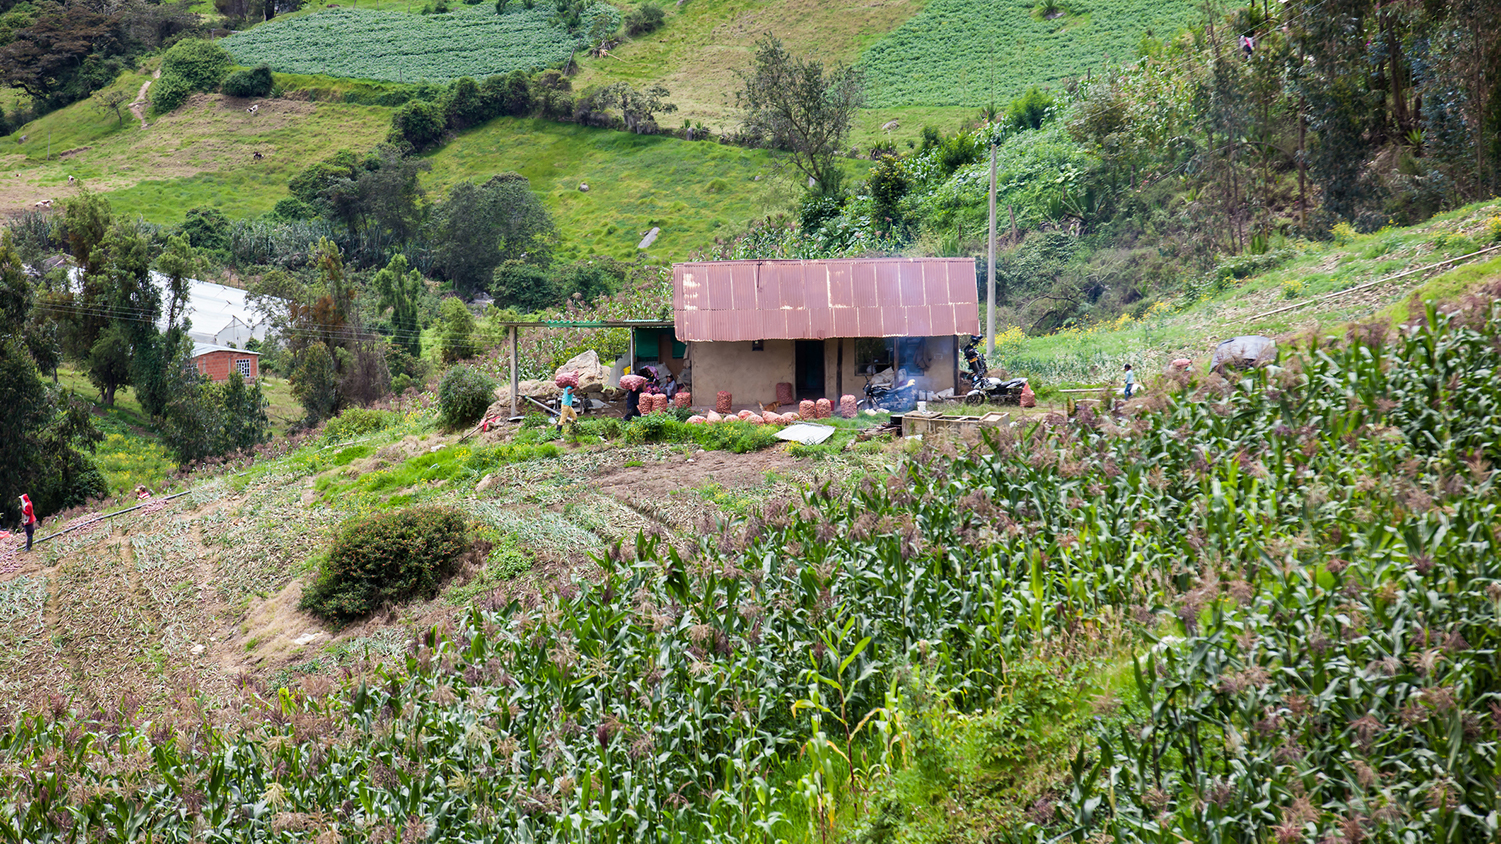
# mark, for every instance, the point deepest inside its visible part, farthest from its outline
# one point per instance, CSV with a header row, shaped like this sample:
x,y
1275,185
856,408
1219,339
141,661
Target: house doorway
x,y
809,371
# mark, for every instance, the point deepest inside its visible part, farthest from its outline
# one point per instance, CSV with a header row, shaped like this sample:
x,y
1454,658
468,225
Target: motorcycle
x,y
894,398
986,388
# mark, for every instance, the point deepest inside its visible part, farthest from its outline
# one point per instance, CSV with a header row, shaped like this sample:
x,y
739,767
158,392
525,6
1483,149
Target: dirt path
x,y
138,108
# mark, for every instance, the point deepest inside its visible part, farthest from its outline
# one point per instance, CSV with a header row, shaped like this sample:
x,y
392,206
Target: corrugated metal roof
x,y
207,348
815,300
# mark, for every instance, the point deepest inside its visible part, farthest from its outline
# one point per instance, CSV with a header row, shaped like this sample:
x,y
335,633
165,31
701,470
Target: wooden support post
x,y
630,360
956,364
515,375
839,369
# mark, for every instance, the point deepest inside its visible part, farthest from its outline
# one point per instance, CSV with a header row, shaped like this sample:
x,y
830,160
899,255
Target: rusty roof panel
x,y
790,292
888,285
846,322
864,276
919,321
874,297
841,284
963,284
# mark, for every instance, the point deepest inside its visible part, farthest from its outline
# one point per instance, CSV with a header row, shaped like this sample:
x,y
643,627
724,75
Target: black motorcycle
x,y
894,398
985,388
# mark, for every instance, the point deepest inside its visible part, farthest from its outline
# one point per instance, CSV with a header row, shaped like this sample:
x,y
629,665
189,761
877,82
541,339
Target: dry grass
x,y
697,53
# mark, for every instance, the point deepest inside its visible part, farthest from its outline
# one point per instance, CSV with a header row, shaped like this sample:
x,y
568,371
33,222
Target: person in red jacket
x,y
28,519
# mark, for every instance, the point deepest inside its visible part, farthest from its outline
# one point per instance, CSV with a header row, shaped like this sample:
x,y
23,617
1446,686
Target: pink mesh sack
x,y
722,402
784,393
824,408
847,406
806,409
631,382
682,399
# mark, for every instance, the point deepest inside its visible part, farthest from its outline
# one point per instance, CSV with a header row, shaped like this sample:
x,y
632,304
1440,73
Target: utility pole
x,y
990,269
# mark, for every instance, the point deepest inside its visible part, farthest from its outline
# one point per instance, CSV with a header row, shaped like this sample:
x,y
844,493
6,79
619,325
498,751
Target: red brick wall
x,y
218,365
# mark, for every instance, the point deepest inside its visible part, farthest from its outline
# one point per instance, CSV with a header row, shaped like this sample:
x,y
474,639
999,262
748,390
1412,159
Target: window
x,y
243,364
872,351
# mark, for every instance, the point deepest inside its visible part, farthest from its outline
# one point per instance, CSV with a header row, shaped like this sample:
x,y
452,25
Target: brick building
x,y
216,362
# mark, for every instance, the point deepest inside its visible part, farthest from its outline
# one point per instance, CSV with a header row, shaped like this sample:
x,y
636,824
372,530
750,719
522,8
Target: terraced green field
x,y
381,44
973,52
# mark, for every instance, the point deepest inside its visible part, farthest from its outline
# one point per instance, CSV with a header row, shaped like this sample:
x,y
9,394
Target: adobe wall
x,y
751,377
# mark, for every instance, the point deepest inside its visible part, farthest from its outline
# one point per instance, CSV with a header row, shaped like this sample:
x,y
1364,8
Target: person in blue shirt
x,y
1130,380
566,414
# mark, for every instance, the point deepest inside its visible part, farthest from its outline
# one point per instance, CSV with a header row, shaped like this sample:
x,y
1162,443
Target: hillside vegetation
x,y
982,52
1274,591
471,40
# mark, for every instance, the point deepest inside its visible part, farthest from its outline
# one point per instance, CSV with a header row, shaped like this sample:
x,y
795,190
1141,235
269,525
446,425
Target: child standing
x,y
1130,380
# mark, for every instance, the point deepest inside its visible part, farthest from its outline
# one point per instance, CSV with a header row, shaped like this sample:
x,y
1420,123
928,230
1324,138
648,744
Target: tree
x,y
639,108
109,363
796,105
48,59
110,102
457,333
401,291
315,382
478,226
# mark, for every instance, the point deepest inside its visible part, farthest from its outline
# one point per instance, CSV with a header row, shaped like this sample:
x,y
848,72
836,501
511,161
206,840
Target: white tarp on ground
x,y
806,433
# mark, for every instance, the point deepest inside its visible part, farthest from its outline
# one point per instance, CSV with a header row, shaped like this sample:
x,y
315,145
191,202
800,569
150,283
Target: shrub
x,y
388,557
463,396
420,123
644,19
191,65
255,82
357,422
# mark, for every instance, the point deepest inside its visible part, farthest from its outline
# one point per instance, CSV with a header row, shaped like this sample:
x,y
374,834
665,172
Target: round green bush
x,y
464,395
255,82
388,557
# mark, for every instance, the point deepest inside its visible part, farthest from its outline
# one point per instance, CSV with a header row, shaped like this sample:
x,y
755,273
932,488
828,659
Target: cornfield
x,y
1307,554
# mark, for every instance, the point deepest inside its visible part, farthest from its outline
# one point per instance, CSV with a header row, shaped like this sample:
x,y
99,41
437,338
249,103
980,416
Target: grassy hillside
x,y
697,53
200,154
203,155
692,191
1237,298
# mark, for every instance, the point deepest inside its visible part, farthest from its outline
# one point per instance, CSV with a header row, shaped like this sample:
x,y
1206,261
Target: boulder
x,y
592,375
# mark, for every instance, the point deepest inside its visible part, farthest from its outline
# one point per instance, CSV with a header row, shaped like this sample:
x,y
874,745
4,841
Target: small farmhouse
x,y
217,362
822,326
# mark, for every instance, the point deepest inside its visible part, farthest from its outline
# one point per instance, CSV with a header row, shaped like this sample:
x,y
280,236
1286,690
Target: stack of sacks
x,y
847,406
567,379
631,382
722,402
824,409
784,393
806,409
682,399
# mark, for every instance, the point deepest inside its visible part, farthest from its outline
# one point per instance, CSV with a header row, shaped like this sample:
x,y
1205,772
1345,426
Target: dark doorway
x,y
809,372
